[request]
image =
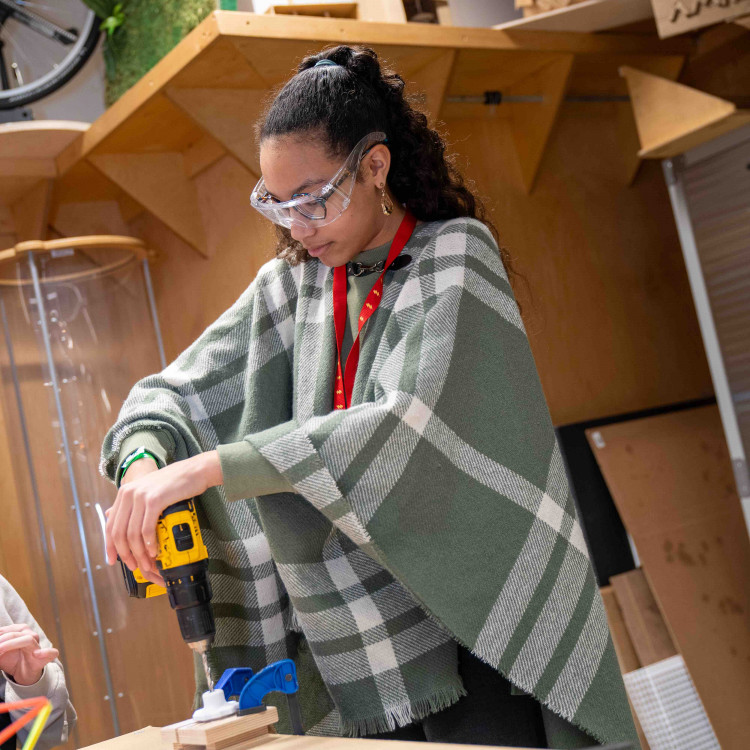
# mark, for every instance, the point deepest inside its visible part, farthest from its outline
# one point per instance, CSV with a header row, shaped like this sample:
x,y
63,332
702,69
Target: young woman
x,y
382,493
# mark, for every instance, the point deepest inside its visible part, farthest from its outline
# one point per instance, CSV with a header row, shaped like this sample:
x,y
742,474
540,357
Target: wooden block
x,y
640,612
222,734
169,733
626,655
624,649
236,743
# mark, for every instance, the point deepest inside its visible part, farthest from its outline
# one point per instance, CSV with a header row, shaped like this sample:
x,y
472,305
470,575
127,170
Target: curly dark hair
x,y
358,95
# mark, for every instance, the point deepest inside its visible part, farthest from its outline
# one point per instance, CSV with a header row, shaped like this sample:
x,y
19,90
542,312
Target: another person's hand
x,y
131,523
21,656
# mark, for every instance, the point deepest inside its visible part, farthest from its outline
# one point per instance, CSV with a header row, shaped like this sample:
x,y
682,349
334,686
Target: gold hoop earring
x,y
385,202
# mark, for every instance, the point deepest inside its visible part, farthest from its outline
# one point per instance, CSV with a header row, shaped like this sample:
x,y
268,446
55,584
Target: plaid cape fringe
x,y
434,510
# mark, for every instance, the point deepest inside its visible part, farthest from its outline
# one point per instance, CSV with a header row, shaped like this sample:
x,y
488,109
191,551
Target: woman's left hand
x,y
131,524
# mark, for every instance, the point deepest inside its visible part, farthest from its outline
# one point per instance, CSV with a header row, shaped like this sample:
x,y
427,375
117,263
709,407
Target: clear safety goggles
x,y
323,205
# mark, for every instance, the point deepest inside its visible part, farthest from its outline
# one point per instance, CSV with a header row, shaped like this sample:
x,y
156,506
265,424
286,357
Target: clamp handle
x,y
250,689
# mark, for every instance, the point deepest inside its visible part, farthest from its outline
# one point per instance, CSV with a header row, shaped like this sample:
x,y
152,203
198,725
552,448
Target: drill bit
x,y
204,657
201,647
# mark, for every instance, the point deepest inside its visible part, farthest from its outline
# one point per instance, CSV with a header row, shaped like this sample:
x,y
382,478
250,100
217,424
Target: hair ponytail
x,y
356,96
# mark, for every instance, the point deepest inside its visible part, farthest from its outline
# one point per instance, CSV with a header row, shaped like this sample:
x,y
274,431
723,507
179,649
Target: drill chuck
x,y
189,592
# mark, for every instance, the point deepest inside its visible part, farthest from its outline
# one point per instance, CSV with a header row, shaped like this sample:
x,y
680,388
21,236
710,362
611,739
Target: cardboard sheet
x,y
672,482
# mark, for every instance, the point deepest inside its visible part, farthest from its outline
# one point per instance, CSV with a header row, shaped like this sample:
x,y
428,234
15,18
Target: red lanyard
x,y
342,392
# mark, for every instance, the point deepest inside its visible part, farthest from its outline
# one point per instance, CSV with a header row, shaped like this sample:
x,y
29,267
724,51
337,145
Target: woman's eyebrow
x,y
308,183
300,188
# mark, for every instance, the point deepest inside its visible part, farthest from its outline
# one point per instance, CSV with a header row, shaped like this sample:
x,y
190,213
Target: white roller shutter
x,y
710,192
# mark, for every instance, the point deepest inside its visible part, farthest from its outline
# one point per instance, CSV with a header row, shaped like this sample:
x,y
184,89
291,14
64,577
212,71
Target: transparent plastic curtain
x,y
76,339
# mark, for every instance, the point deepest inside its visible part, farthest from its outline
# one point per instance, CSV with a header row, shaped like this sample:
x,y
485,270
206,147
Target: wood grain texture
x,y
640,612
221,733
31,213
672,118
602,283
227,114
626,655
531,123
160,182
671,479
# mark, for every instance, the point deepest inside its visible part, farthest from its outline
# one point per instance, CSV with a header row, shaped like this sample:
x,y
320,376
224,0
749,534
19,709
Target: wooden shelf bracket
x,y
532,122
159,181
672,118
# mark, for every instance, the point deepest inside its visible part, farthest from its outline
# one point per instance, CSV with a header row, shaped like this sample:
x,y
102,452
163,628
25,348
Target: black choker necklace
x,y
362,269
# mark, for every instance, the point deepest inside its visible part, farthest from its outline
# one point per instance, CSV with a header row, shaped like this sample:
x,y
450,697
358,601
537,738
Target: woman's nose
x,y
301,231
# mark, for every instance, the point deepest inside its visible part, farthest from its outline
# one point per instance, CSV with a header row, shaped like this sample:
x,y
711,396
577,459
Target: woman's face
x,y
294,164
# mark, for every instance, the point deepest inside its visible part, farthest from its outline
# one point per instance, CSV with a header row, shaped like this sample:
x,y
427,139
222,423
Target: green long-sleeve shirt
x,y
246,472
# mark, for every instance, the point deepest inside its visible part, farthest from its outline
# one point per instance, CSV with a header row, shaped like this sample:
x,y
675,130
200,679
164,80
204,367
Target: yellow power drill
x,y
182,561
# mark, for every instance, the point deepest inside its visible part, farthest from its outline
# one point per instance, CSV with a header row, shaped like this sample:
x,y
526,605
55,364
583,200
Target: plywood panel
x,y
243,241
604,291
229,115
92,217
149,738
156,127
160,182
671,479
38,140
224,66
431,82
31,212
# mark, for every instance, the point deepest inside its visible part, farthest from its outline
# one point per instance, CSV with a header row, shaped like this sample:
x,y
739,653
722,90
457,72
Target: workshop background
x,y
611,139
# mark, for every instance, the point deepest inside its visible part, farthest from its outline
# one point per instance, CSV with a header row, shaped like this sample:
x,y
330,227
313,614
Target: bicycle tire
x,y
61,77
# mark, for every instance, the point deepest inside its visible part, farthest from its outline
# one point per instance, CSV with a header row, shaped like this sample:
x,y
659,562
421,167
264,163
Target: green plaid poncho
x,y
435,509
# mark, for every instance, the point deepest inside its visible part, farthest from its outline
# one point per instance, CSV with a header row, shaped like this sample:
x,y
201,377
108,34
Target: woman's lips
x,y
316,251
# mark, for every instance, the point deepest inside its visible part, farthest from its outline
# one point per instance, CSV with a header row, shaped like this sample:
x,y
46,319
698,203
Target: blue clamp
x,y
241,684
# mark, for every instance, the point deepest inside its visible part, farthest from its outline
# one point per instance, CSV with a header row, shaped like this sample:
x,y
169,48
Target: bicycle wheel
x,y
43,44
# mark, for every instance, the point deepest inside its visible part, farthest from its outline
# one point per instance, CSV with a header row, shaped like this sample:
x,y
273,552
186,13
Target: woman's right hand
x,y
136,470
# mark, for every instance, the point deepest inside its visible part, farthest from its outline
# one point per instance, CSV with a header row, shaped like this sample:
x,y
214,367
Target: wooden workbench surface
x,y
149,738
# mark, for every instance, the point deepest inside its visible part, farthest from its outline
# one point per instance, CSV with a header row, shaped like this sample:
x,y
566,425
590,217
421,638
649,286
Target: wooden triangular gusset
x,y
159,183
229,115
531,122
431,82
672,118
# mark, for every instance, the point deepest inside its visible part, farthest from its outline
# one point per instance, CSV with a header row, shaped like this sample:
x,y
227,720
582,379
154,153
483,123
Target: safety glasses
x,y
323,205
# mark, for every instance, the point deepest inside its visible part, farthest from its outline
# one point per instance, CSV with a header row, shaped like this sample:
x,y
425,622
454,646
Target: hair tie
x,y
326,62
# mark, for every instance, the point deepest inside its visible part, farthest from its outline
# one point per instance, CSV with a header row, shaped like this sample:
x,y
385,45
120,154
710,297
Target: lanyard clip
x,y
360,269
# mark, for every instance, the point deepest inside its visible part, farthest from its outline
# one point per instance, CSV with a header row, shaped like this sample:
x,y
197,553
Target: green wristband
x,y
133,457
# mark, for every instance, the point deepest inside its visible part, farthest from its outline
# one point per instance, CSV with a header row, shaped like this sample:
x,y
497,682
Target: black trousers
x,y
490,714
